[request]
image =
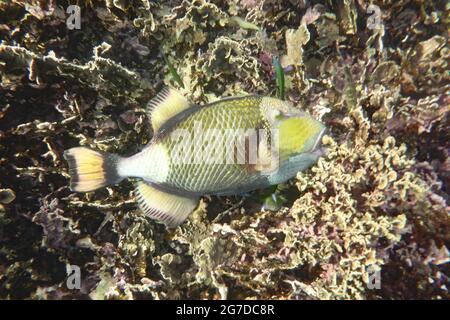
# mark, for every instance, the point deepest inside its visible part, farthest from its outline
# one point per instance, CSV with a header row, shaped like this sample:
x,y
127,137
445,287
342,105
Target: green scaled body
x,y
209,129
229,146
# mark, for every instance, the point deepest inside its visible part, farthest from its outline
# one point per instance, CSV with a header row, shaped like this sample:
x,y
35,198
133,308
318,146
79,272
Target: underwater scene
x,y
224,150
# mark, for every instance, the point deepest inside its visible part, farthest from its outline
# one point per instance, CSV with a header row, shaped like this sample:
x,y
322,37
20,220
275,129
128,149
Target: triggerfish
x,y
226,147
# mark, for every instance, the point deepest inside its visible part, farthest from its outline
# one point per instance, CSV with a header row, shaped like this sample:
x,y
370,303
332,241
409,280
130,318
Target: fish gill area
x,y
376,73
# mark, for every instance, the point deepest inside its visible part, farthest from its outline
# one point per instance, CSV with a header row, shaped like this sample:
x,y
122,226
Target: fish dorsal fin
x,y
165,105
162,206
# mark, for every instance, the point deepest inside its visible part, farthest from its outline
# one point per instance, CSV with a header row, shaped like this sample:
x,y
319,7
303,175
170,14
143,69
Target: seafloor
x,y
376,75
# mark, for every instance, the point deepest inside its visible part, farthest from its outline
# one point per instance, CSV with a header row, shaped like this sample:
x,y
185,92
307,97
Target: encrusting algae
x,y
376,201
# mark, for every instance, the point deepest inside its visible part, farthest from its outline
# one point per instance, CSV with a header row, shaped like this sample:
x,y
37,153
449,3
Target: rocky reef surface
x,y
375,72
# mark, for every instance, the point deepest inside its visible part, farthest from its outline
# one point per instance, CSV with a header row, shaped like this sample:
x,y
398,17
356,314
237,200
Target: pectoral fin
x,y
165,105
162,206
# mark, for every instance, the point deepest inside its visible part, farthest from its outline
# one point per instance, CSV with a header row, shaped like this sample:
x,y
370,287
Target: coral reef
x,y
375,73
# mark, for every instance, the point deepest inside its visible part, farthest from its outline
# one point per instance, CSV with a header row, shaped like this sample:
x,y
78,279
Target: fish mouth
x,y
317,148
319,139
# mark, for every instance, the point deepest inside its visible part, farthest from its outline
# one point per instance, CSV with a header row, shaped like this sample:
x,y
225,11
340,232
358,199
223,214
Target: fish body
x,y
226,147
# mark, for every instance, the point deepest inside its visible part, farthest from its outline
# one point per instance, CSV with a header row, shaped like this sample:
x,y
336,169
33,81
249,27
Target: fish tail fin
x,y
90,170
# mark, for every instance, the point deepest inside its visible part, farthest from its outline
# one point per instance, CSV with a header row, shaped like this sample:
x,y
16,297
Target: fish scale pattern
x,y
212,171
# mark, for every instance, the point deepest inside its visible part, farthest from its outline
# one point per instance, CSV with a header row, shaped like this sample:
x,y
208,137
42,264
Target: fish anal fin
x,y
167,208
165,105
